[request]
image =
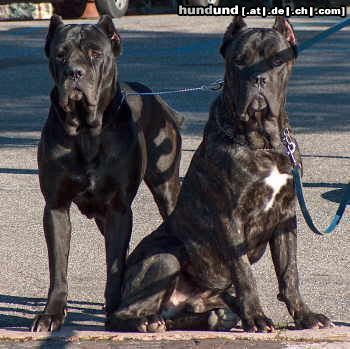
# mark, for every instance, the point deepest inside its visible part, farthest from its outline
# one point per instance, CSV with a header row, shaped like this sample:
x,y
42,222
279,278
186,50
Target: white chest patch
x,y
276,180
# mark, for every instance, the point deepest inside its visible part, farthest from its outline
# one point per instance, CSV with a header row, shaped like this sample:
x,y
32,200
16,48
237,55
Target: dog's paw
x,y
48,322
154,323
258,323
222,320
311,320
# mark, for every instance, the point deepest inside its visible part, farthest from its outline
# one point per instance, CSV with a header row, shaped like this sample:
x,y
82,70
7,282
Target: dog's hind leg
x,y
162,174
165,193
220,319
117,233
284,254
158,308
146,286
100,225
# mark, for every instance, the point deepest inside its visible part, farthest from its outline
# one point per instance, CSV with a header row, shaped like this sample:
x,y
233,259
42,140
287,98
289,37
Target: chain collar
x,y
286,138
228,130
116,103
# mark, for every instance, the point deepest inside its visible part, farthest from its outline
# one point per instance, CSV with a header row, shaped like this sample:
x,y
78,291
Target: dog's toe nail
x,y
142,328
221,312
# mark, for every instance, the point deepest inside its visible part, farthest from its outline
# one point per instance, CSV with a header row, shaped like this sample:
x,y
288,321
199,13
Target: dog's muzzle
x,y
259,103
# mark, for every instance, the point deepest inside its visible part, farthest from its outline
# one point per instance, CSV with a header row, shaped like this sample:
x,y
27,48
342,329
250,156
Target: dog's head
x,y
258,64
82,62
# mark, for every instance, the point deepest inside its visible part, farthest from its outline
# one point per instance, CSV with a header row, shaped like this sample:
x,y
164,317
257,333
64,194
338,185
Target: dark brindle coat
x,y
237,198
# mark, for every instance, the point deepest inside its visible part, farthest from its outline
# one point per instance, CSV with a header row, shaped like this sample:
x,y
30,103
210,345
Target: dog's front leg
x,y
247,303
117,233
284,255
57,229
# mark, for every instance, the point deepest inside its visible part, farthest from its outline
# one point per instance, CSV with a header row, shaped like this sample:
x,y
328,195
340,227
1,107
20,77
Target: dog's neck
x,y
87,138
114,105
259,132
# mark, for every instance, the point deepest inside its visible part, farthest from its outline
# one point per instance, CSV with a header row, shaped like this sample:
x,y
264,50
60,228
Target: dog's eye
x,y
277,62
238,61
95,54
61,57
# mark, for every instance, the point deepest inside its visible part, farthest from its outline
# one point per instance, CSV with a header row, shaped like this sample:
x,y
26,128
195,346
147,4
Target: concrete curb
x,y
337,334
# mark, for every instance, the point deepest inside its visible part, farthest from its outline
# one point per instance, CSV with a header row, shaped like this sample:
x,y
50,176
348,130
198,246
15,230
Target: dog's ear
x,y
284,27
55,23
107,25
233,29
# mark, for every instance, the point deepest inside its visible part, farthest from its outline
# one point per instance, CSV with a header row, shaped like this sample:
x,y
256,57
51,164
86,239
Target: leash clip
x,y
215,86
290,146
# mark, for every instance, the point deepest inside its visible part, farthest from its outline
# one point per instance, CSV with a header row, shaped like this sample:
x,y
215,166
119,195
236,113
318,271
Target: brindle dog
x,y
236,198
95,149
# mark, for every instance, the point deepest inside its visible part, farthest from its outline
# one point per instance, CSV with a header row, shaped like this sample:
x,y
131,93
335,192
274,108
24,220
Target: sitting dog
x,y
95,149
236,198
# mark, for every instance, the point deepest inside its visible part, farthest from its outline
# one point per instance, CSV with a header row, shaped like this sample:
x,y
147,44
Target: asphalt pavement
x,y
167,52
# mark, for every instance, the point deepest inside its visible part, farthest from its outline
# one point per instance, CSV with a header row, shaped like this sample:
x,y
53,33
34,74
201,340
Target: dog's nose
x,y
260,81
75,73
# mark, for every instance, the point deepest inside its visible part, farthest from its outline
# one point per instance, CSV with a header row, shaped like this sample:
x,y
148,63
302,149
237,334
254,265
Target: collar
x,y
116,103
224,126
110,112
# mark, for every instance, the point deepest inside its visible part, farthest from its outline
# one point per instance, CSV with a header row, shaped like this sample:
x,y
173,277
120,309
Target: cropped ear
x,y
232,30
55,23
107,25
284,27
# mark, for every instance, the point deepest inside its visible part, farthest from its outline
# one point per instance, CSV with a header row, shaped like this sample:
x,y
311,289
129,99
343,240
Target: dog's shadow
x,y
17,313
335,195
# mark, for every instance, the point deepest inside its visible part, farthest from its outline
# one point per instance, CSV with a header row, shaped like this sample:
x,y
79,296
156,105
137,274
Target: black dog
x,y
236,198
95,149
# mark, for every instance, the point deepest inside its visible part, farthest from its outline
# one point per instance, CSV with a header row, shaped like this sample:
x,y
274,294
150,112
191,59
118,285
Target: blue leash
x,y
290,145
324,35
301,199
218,84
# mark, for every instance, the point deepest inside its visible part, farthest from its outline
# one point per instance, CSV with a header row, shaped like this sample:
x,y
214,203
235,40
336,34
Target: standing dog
x,y
95,149
237,198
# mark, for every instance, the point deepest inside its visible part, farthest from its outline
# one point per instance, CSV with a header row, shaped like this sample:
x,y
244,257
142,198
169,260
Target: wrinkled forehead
x,y
82,35
259,42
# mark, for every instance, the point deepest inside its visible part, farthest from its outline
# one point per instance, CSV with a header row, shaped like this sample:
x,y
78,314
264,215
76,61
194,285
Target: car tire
x,y
114,8
69,9
284,3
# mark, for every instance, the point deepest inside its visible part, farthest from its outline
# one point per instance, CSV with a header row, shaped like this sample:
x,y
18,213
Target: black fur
x,y
95,149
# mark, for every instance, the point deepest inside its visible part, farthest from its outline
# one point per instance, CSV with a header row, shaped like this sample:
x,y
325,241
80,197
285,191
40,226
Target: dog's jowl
x,y
95,149
194,271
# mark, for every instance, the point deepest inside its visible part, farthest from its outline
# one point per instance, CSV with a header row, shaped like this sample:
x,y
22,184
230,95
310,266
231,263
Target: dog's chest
x,y
265,193
90,198
275,181
98,186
